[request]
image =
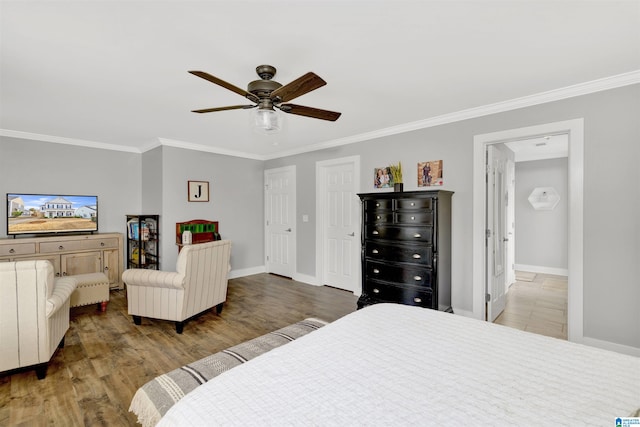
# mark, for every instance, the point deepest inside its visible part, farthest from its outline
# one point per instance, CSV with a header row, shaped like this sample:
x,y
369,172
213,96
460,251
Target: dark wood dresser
x,y
406,248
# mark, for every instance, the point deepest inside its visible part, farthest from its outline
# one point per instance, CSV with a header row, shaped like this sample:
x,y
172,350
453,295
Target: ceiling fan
x,y
267,94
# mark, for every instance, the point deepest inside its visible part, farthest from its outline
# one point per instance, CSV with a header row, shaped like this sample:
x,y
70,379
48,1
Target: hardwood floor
x,y
106,358
538,306
90,382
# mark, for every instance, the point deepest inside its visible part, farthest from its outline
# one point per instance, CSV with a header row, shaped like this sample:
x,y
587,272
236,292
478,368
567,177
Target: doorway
x,y
574,128
338,223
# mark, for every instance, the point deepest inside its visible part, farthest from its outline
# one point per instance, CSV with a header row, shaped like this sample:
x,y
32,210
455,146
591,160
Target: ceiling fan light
x,y
266,121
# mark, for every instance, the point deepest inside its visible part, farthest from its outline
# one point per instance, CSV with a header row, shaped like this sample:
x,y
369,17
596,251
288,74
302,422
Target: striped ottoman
x,y
92,288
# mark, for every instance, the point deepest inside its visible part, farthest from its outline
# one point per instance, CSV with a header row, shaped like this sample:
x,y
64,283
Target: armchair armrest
x,y
63,287
153,278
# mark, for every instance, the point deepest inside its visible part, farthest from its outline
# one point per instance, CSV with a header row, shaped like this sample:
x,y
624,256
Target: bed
x,y
390,364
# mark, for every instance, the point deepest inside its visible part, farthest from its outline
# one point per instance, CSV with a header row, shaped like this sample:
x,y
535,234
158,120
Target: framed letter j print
x,y
198,191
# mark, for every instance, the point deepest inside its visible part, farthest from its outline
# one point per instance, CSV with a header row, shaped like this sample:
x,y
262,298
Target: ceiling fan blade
x,y
226,85
298,87
315,113
231,107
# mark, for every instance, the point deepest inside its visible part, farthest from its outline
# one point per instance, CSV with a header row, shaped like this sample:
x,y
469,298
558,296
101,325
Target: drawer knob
x,y
416,278
417,235
416,299
377,216
413,204
375,232
413,217
61,247
375,251
101,243
377,205
376,271
11,251
376,290
416,256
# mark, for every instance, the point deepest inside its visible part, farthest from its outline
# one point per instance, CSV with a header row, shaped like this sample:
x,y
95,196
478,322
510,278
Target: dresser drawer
x,y
416,254
405,217
409,295
78,245
411,275
378,217
414,203
422,234
374,205
18,249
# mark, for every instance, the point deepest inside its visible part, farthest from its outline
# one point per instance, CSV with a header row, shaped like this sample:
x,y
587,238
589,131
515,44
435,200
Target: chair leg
x,y
179,327
137,320
41,370
219,308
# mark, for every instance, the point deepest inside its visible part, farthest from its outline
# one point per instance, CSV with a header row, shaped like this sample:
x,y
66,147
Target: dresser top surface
x,y
406,194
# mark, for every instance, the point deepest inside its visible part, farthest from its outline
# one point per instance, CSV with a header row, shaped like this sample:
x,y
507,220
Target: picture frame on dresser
x,y
406,248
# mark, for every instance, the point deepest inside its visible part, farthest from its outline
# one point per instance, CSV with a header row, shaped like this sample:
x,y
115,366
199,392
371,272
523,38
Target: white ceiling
x,y
114,72
544,147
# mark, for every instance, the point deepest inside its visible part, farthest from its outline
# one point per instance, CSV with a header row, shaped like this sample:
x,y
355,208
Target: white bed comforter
x,y
392,365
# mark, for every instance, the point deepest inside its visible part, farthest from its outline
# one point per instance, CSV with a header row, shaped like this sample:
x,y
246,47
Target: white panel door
x,y
342,240
497,228
280,214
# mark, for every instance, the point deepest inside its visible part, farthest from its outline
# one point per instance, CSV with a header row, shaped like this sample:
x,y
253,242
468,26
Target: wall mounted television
x,y
51,213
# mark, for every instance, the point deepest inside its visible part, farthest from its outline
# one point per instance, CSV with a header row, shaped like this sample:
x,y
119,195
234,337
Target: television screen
x,y
51,213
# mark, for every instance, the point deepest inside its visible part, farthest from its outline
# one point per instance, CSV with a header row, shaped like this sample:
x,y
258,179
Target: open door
x,y
496,226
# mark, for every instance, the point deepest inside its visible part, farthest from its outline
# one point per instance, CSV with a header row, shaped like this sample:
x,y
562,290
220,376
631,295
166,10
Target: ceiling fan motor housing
x,y
263,88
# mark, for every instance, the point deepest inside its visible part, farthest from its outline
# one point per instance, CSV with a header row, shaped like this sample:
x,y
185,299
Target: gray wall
x,y
611,193
28,166
542,235
611,197
236,201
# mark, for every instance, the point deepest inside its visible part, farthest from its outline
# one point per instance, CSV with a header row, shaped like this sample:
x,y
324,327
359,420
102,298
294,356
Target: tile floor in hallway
x,y
538,306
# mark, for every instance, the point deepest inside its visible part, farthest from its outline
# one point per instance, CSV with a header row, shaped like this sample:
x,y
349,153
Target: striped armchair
x,y
199,283
34,314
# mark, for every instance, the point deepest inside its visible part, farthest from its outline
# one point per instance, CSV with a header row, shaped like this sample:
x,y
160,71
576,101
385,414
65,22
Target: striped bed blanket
x,y
154,399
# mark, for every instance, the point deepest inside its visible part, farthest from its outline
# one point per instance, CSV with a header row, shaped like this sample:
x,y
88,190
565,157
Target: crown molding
x,y
68,141
612,82
215,150
586,88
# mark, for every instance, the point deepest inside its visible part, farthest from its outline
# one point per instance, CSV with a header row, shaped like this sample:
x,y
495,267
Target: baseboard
x,y
607,345
542,270
464,313
310,280
246,271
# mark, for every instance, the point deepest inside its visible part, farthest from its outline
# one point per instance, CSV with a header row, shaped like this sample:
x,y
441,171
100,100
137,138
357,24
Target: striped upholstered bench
x,y
156,397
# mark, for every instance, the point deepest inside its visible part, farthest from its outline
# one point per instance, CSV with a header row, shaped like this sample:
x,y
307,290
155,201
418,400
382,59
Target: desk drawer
x,y
78,245
18,249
